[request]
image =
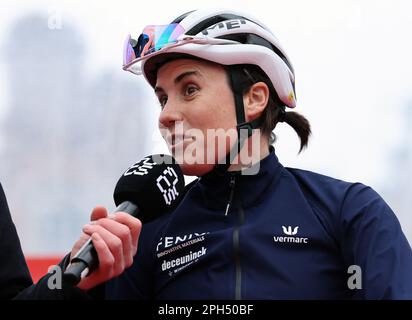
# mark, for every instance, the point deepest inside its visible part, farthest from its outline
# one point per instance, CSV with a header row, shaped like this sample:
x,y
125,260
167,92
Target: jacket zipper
x,y
238,283
232,191
236,244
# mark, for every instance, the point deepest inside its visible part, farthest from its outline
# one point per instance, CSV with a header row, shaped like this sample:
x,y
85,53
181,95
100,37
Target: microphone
x,y
147,190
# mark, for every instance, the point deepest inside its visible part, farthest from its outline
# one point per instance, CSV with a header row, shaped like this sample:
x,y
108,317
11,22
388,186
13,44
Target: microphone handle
x,y
86,261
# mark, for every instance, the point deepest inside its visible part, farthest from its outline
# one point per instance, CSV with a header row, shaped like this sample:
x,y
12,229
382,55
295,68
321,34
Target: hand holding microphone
x,y
108,244
148,189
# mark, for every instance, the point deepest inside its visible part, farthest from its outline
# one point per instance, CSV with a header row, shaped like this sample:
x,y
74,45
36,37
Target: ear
x,y
255,100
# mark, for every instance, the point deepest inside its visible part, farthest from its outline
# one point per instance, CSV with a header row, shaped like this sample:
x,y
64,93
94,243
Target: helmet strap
x,y
244,129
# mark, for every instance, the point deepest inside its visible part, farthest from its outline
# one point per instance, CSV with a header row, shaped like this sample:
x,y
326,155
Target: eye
x,y
190,90
162,101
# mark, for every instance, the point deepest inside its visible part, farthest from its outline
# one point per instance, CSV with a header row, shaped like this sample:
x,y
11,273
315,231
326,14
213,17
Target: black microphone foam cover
x,y
155,184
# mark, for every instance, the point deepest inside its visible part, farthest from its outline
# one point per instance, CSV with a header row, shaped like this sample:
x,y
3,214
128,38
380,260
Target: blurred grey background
x,y
71,121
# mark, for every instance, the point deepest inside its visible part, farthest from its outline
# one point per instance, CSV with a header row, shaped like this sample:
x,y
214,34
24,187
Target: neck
x,y
255,148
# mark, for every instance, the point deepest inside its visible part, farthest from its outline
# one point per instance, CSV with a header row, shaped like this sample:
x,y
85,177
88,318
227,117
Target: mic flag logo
x,y
141,168
166,183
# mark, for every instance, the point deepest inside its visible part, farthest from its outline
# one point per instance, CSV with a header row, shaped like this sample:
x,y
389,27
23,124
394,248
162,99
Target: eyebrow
x,y
178,79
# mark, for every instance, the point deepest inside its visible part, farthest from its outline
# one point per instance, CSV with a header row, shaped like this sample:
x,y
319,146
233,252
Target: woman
x,y
250,228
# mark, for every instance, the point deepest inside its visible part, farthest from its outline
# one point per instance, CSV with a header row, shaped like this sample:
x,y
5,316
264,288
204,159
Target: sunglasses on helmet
x,y
156,38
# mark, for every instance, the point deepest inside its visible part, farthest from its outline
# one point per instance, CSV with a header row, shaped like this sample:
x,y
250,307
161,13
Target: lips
x,y
175,140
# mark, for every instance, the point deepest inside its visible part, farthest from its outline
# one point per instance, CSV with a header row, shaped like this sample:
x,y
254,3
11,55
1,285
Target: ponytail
x,y
301,126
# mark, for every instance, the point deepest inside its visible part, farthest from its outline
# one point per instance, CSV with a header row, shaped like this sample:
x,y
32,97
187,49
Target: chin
x,y
195,169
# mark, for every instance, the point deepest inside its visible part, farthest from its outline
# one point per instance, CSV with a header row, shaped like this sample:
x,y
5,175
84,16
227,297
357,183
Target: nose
x,y
170,114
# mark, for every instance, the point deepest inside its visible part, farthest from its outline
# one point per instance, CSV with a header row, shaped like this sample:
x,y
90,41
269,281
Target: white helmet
x,y
226,37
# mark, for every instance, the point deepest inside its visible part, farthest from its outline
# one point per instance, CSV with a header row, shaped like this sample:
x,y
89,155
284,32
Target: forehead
x,y
205,69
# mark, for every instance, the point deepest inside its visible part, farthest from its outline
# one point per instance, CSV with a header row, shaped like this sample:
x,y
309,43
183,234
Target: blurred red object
x,y
39,266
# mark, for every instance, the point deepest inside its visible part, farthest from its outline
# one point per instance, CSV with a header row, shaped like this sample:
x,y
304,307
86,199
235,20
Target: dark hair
x,y
275,110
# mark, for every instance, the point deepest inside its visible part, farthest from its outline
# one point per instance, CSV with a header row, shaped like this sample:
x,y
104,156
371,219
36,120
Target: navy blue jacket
x,y
288,234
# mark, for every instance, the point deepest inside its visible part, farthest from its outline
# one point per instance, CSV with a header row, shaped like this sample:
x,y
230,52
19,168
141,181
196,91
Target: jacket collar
x,y
250,189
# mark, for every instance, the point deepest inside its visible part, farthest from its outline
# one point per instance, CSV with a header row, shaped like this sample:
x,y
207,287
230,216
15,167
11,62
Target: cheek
x,y
225,108
216,112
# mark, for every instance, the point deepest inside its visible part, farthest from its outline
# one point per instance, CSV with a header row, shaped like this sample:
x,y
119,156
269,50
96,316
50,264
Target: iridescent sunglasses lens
x,y
153,39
